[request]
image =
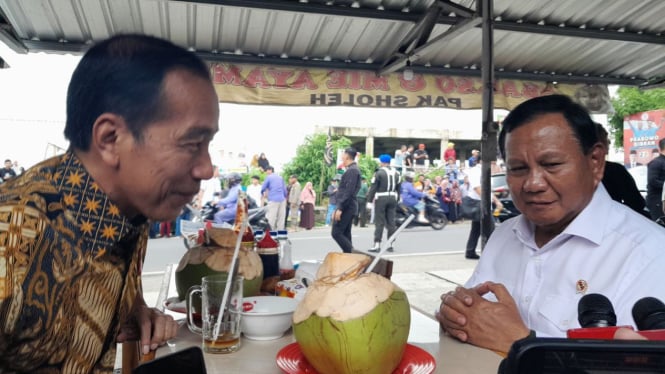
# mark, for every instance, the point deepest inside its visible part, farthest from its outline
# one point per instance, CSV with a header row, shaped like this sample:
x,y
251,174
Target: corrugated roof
x,y
619,41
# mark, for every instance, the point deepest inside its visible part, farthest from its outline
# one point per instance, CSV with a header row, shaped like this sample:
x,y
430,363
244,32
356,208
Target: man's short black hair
x,y
576,115
269,167
256,177
351,152
294,176
661,145
7,160
124,75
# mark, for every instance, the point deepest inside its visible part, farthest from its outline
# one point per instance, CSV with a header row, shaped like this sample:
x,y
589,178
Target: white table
x,y
259,356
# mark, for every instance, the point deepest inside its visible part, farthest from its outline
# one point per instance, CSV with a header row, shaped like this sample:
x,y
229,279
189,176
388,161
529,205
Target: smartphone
x,y
558,355
189,360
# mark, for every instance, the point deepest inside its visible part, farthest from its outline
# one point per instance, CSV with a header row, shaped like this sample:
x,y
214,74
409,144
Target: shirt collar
x,y
589,224
100,221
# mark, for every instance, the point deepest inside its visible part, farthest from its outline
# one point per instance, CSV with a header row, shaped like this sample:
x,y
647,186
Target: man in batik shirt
x,y
73,229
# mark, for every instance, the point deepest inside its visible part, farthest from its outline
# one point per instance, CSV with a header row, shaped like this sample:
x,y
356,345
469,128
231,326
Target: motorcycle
x,y
433,212
256,215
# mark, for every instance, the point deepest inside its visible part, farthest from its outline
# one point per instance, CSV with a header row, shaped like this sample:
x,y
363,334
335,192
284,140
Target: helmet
x,y
234,178
409,175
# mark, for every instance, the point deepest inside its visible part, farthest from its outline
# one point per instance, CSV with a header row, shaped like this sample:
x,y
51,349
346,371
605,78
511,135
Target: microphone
x,y
649,316
596,316
595,310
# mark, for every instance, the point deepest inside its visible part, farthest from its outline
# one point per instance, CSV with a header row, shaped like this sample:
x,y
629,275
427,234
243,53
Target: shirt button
x,y
527,299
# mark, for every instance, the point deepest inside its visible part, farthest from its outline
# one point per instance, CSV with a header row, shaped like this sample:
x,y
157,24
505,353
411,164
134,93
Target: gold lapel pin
x,y
581,286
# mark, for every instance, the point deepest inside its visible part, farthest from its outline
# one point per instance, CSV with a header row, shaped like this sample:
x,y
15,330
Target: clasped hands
x,y
467,316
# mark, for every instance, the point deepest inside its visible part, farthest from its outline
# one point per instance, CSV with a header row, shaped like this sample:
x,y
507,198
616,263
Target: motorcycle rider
x,y
411,197
384,191
227,206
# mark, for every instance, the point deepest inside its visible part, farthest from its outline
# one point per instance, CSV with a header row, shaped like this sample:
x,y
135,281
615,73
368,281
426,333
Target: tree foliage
x,y
631,100
309,165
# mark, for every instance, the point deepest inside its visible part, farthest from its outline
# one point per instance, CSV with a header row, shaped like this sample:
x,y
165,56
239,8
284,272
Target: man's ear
x,y
107,131
597,161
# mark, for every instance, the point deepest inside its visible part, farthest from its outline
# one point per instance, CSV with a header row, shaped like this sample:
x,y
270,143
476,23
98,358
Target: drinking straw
x,y
390,240
229,279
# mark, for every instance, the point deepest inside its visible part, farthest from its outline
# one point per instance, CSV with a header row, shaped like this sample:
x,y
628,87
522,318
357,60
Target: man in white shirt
x,y
210,189
572,239
254,190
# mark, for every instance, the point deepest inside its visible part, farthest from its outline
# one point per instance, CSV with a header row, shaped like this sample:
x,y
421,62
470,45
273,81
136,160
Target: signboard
x,y
641,133
256,84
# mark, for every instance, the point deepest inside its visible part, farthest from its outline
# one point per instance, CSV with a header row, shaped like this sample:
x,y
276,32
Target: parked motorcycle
x,y
256,215
433,212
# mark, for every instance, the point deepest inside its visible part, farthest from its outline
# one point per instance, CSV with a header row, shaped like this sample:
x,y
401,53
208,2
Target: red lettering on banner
x,y
336,79
304,81
413,85
530,90
256,79
354,80
509,89
281,77
445,84
230,76
465,86
372,82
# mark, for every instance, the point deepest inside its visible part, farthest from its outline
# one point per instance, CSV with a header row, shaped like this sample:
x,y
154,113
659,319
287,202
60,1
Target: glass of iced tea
x,y
228,333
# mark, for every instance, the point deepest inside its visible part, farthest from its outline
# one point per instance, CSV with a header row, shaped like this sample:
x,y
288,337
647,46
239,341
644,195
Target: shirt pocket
x,y
559,312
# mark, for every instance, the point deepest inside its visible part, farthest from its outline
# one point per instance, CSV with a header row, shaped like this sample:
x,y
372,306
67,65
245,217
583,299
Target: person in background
x,y
617,180
263,162
138,151
254,163
400,154
450,152
475,193
412,197
419,157
294,201
210,189
332,199
254,190
408,158
7,172
456,201
428,187
347,205
567,242
165,229
473,160
227,206
385,194
307,201
444,195
420,183
655,180
451,169
361,217
274,190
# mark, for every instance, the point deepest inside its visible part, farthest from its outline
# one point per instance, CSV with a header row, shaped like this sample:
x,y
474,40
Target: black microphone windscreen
x,y
595,310
649,314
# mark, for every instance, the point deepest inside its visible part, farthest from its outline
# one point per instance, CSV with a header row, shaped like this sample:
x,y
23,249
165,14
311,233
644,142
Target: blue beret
x,y
384,159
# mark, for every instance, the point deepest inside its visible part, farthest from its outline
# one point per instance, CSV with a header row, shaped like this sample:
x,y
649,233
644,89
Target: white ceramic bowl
x,y
267,317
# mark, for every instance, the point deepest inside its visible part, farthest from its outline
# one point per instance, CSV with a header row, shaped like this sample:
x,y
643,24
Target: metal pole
x,y
488,151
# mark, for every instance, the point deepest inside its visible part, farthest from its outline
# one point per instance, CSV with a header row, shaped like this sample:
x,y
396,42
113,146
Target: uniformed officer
x,y
384,192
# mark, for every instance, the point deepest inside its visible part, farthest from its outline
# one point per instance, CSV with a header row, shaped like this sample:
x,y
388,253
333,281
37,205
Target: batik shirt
x,y
69,270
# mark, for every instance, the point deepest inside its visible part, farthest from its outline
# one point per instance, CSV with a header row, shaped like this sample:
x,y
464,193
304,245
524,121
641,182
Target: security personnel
x,y
384,192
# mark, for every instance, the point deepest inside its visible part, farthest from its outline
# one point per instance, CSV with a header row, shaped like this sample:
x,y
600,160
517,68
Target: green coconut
x,y
352,323
203,261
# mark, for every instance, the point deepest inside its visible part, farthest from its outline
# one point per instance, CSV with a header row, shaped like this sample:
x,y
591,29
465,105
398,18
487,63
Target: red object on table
x,y
602,333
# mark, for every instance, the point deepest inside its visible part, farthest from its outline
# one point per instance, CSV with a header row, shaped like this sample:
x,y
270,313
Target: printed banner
x,y
641,132
255,84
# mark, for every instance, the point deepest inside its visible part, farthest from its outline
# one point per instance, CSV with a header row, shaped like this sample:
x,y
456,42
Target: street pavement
x,y
426,263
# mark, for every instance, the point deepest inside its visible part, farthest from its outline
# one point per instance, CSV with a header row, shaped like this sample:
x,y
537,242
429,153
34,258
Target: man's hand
x,y
337,215
467,316
152,327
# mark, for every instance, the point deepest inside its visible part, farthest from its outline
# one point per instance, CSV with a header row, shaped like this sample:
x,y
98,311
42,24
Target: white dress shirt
x,y
607,249
475,177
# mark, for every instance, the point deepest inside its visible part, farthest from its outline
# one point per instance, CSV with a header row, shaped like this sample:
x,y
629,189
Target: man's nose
x,y
535,181
203,169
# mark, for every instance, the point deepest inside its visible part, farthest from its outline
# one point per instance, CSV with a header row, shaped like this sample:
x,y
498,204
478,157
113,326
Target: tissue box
x,y
290,288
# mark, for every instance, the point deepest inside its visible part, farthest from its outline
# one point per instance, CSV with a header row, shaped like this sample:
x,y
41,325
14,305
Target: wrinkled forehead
x,y
550,130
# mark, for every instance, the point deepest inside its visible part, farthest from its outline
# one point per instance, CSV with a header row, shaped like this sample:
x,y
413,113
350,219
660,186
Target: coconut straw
x,y
229,278
389,241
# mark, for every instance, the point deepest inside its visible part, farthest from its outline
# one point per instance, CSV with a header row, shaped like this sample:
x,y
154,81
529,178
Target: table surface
x,y
259,356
